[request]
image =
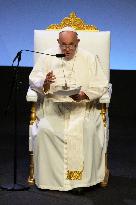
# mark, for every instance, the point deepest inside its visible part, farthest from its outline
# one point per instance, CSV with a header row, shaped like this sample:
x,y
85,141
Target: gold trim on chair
x,y
33,114
104,183
75,22
30,179
103,113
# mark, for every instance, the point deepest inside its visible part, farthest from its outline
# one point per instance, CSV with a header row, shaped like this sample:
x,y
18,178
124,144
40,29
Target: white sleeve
x,y
98,84
38,74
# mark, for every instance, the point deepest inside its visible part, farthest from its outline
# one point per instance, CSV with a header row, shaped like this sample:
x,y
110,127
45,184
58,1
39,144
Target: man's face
x,y
68,43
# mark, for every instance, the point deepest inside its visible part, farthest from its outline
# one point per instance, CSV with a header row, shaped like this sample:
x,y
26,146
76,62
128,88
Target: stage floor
x,y
122,163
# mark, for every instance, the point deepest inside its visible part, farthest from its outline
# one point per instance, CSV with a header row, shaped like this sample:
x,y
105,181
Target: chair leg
x,y
104,183
31,180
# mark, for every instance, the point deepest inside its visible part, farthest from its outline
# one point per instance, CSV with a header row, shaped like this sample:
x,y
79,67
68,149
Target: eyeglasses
x,y
71,46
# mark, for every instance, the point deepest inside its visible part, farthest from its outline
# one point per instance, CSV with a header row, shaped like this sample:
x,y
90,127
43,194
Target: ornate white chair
x,y
95,41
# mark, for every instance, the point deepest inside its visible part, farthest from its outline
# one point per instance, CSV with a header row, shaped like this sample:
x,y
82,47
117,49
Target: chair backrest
x,y
97,42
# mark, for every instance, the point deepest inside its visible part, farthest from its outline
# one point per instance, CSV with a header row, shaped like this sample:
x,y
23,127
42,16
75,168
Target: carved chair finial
x,y
73,21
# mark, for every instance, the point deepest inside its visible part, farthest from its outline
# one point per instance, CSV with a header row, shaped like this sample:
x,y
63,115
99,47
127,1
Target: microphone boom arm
x,y
59,55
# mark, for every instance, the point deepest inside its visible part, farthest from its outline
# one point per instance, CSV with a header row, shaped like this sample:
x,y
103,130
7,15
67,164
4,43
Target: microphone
x,y
59,55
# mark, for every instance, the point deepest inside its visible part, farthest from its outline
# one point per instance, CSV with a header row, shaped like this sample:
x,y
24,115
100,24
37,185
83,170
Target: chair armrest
x,y
31,95
107,96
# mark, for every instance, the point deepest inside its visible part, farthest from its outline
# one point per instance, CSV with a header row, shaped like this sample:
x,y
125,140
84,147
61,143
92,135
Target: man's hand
x,y
50,78
79,97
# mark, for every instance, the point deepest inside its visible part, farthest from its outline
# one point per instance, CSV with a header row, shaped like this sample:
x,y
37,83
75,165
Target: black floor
x,y
122,162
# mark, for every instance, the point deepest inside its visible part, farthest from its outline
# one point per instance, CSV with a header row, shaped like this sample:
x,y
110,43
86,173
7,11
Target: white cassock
x,y
69,139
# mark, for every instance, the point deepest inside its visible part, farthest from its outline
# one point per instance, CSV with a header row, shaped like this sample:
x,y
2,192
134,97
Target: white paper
x,y
59,90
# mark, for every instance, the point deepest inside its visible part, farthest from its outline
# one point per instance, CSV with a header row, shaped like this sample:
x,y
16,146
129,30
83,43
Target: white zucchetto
x,y
67,28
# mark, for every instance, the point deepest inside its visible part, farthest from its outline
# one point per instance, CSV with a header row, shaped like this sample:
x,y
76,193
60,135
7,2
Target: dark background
x,y
14,110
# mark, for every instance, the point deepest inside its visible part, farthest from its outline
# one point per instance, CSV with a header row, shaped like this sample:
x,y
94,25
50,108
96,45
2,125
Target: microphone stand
x,y
14,89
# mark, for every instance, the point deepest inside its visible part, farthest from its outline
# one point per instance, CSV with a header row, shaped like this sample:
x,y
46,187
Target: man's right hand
x,y
50,78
